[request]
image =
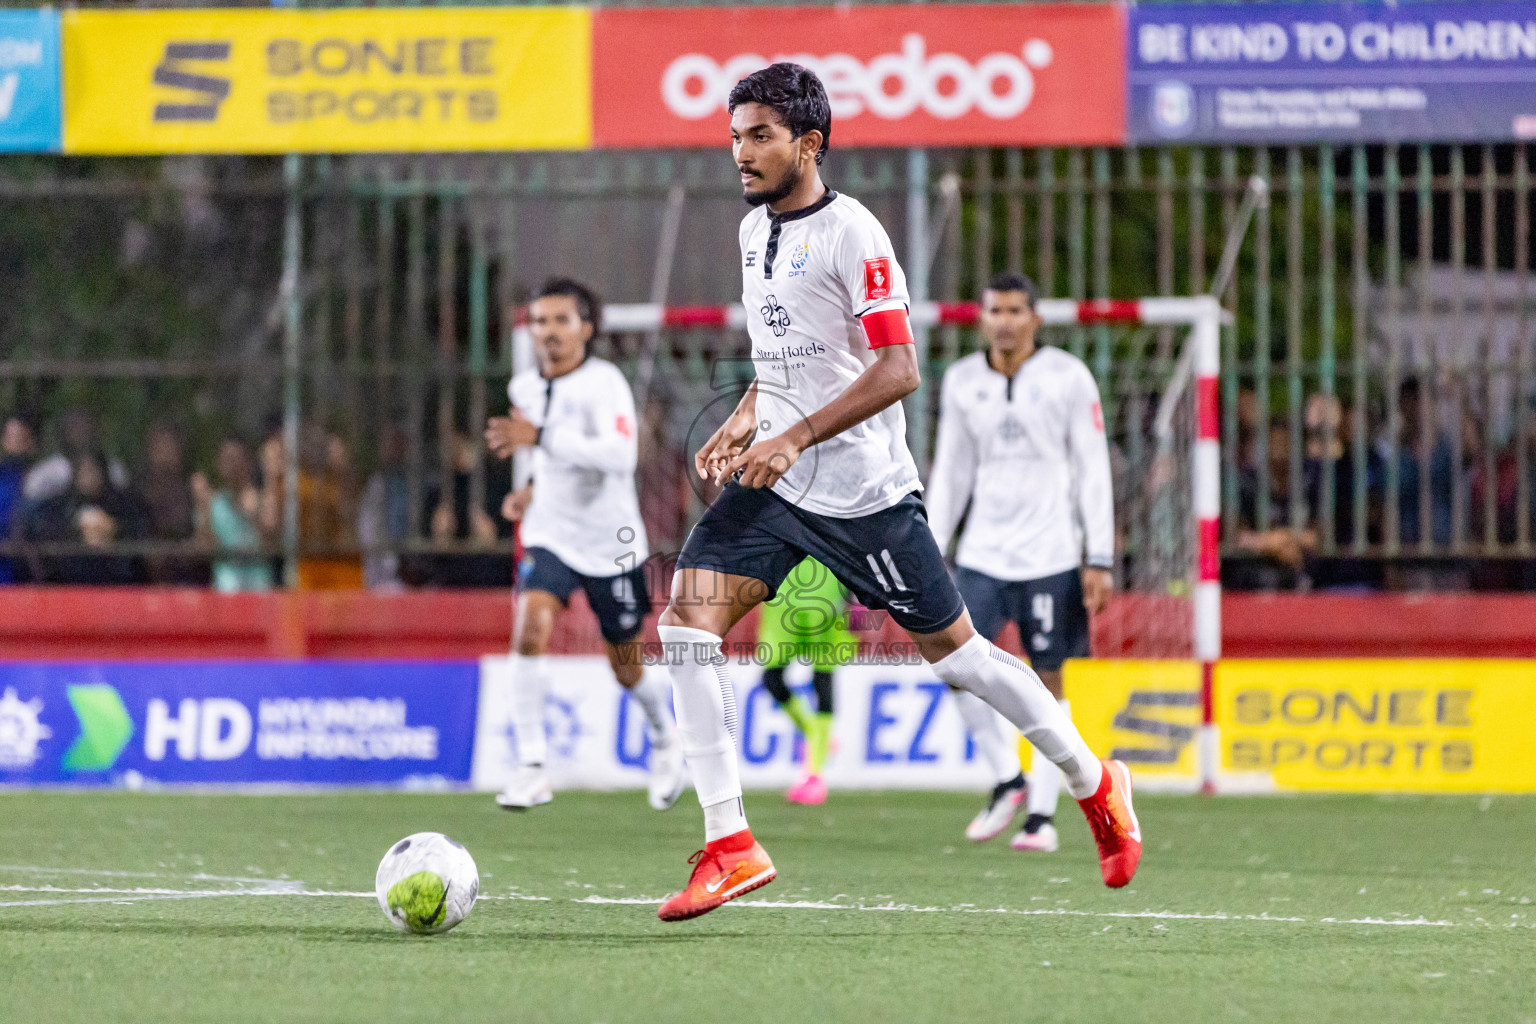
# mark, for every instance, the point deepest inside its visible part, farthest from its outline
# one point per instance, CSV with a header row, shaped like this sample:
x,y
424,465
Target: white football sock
x,y
653,693
1045,779
990,732
706,714
529,684
1010,686
725,818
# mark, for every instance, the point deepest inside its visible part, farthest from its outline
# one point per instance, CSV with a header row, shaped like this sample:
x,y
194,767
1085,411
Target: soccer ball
x,y
427,883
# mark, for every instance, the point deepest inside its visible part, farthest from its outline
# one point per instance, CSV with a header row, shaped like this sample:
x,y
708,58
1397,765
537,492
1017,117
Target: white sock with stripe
x,y
1045,779
1011,687
653,692
990,732
705,702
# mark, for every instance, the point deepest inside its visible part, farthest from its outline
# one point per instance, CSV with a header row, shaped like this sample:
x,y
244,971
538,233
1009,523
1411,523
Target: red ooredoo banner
x,y
942,75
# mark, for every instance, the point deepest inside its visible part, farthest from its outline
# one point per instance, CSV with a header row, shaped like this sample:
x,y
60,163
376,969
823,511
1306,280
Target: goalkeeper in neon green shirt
x,y
807,619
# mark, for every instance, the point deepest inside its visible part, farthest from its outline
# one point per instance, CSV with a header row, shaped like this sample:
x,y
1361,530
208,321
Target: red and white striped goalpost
x,y
1203,316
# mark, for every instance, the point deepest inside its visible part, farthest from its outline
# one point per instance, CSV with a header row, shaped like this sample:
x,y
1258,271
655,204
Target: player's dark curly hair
x,y
794,94
1013,281
588,306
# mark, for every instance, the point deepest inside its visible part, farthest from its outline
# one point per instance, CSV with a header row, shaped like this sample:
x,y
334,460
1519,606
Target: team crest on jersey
x,y
877,279
799,257
776,317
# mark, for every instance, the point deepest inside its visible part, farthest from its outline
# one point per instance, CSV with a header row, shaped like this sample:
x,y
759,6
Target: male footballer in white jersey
x,y
815,463
1021,441
581,527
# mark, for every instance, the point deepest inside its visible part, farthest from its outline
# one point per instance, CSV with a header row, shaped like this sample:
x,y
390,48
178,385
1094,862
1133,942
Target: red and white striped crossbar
x,y
647,316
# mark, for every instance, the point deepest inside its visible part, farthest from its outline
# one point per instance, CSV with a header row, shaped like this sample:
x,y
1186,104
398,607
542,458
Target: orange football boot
x,y
722,871
1114,825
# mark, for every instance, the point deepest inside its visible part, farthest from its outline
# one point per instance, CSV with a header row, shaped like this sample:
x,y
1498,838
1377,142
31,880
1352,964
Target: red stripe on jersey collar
x,y
887,327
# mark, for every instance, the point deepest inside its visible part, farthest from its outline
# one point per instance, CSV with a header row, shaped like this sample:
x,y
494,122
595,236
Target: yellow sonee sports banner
x,y
1146,713
230,81
1427,726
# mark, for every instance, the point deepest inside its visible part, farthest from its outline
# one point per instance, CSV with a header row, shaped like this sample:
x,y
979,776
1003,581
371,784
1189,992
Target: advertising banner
x,y
1362,725
1145,713
29,81
228,81
1319,72
896,727
947,75
209,723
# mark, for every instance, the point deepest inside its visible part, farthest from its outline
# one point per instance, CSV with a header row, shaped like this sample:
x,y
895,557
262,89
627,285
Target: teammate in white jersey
x,y
1021,441
581,527
815,462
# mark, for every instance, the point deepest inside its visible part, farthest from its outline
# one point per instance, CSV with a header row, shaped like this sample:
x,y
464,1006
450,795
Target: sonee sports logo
x,y
776,317
174,73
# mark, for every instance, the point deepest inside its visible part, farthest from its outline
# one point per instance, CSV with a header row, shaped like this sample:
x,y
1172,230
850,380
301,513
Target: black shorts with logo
x,y
620,602
1053,624
888,559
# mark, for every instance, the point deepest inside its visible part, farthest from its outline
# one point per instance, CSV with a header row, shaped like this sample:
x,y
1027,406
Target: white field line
x,y
29,869
269,887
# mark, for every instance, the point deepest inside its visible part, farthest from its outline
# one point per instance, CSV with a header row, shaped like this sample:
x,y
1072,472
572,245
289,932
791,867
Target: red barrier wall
x,y
44,623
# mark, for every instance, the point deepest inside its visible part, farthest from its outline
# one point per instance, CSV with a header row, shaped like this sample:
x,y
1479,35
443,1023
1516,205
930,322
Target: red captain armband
x,y
887,327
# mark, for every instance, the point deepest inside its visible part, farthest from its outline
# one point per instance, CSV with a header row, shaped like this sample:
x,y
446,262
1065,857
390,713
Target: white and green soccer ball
x,y
427,883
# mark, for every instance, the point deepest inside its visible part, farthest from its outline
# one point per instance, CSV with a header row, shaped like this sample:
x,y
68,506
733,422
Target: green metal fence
x,y
1379,359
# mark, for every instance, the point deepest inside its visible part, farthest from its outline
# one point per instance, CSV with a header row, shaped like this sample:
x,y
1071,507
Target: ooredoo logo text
x,y
892,86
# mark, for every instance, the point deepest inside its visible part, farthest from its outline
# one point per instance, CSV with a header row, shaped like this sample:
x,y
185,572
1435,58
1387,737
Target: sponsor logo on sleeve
x,y
877,279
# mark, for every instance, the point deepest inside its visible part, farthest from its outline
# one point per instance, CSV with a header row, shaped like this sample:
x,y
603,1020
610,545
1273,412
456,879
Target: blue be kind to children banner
x,y
322,723
1319,72
30,119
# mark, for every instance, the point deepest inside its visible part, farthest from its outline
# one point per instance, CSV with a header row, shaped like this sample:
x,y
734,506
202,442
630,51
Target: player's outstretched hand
x,y
763,463
1098,585
724,445
516,503
505,434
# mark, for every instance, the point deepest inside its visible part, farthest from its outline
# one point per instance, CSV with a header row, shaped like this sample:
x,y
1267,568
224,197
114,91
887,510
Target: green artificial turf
x,y
1245,909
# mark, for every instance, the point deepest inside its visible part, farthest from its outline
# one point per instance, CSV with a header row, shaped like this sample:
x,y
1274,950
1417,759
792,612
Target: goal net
x,y
1156,362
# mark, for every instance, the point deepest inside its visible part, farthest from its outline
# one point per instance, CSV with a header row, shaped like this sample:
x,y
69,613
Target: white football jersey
x,y
1030,457
807,278
584,506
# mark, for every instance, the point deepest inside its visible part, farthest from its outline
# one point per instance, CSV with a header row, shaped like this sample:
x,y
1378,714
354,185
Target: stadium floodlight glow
x,y
1173,608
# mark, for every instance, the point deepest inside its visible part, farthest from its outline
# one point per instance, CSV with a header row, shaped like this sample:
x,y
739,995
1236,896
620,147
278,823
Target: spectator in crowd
x,y
164,485
229,517
327,494
1276,555
1330,449
384,514
454,519
1502,488
94,513
1421,467
78,439
18,447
